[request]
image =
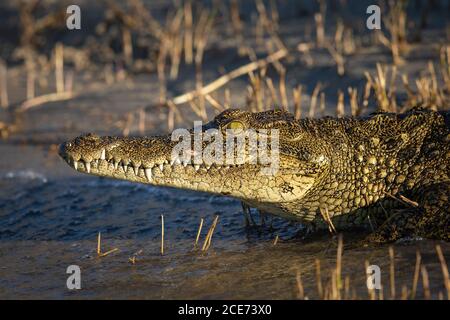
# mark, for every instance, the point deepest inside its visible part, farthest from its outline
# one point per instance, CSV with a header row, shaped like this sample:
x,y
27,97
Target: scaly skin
x,y
356,168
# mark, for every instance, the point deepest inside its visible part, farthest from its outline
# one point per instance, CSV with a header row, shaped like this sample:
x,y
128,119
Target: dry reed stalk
x,y
404,292
160,66
202,31
141,125
444,270
392,271
347,288
31,76
298,279
219,82
227,99
250,101
322,104
109,252
367,90
201,113
381,293
259,31
340,111
51,97
175,57
170,120
425,283
445,65
273,93
59,67
69,81
335,293
176,44
283,94
198,232
395,21
173,114
326,292
162,234
268,24
354,107
99,247
127,45
340,249
326,217
339,35
255,82
403,200
416,275
320,29
127,125
349,45
274,15
297,93
188,33
312,107
319,279
305,49
207,242
4,99
99,244
338,59
385,97
276,240
408,201
148,20
108,74
214,103
236,24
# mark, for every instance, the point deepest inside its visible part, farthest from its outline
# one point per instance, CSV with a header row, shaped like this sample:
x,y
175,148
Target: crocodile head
x,y
288,161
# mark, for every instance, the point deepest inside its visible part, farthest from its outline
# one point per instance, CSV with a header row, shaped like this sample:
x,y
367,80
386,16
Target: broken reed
x,y
444,268
207,242
198,232
99,247
392,271
59,67
4,100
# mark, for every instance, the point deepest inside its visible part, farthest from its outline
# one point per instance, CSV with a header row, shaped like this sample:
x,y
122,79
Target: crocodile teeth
x,y
136,170
175,161
103,156
75,164
88,166
125,168
116,165
196,167
148,174
161,167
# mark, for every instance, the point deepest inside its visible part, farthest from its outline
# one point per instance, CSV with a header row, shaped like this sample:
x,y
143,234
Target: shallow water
x,y
50,217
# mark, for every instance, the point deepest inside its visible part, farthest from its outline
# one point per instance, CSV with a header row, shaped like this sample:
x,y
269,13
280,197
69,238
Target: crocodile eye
x,y
236,126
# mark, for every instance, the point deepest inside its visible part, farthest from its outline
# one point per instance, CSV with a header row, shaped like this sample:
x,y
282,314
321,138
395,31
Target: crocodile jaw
x,y
148,160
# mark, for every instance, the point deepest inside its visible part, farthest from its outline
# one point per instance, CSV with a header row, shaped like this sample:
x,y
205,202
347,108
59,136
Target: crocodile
x,y
386,173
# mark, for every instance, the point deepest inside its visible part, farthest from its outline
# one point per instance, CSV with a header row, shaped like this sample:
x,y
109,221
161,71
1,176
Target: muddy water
x,y
50,217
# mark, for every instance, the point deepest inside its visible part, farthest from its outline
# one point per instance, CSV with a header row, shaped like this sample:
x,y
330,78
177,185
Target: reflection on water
x,y
50,221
